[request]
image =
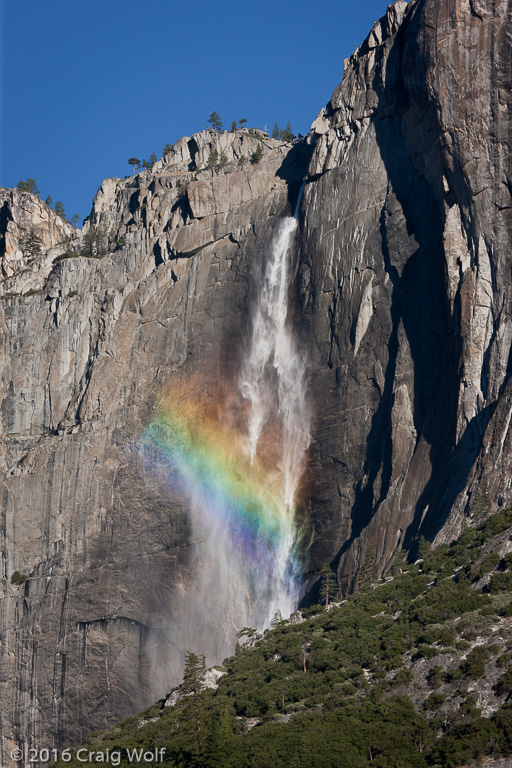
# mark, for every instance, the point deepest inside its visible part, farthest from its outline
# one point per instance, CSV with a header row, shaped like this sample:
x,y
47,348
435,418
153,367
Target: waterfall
x,y
237,461
273,382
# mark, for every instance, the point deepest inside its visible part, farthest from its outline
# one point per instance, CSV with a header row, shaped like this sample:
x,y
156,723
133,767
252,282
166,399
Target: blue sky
x,y
86,84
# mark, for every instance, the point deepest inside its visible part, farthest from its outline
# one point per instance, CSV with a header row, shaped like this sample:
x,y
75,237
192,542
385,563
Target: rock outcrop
x,y
401,299
27,228
154,287
405,282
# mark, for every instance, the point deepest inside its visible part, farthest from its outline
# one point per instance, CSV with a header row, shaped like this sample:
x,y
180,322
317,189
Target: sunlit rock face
x,y
405,281
26,226
397,302
148,305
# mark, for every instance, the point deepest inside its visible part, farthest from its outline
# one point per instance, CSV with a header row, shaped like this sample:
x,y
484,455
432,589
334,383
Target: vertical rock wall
x,y
151,294
401,299
405,281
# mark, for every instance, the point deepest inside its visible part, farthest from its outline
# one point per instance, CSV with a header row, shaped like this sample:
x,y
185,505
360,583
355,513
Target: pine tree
x,y
148,164
215,121
399,562
167,149
223,160
75,219
226,731
328,584
216,755
257,155
29,186
275,131
242,122
49,201
88,242
59,210
367,573
277,619
191,686
249,632
233,126
424,547
32,246
101,241
286,134
134,162
213,159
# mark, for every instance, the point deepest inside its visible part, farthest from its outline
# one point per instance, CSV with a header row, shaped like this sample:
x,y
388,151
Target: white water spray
x,y
244,562
273,380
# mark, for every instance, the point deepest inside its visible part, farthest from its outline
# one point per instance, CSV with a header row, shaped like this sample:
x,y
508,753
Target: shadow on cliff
x,y
294,167
407,134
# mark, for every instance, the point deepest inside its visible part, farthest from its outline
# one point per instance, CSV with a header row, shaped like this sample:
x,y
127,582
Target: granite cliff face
x,y
405,281
400,298
88,341
27,226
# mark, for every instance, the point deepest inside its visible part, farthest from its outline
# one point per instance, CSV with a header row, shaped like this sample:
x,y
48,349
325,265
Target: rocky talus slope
x,y
401,299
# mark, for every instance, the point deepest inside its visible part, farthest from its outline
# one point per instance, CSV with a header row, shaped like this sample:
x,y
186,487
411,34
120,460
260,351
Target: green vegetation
x,y
94,243
134,162
72,293
474,666
501,582
215,121
29,185
148,164
367,573
59,210
382,679
285,134
328,584
257,155
181,186
32,246
213,159
18,578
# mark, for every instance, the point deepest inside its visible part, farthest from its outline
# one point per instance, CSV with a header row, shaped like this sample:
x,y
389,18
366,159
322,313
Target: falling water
x,y
240,483
273,381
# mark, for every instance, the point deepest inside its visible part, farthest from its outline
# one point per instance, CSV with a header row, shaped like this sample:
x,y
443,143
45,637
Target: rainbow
x,y
237,505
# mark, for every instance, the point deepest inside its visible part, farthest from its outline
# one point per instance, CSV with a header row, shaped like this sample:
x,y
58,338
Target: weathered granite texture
x,y
23,215
404,281
401,298
87,342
